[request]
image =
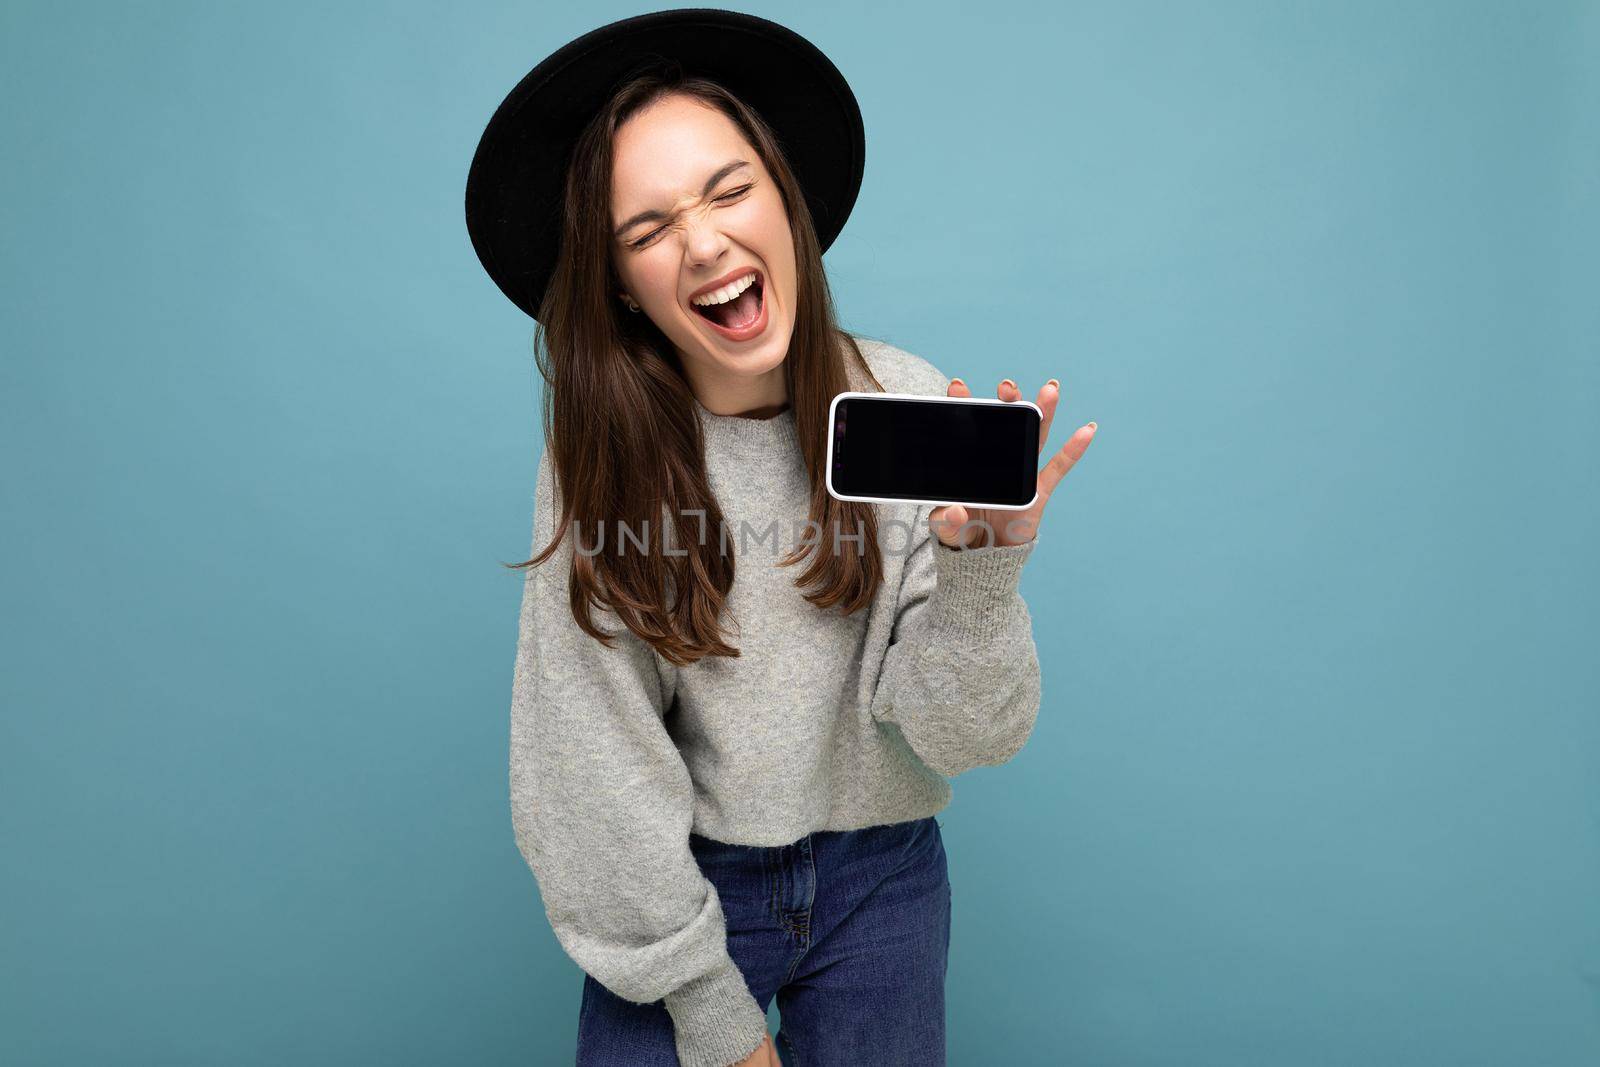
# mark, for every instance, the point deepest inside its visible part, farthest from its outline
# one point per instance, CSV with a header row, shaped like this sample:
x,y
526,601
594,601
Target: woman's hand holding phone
x,y
1011,527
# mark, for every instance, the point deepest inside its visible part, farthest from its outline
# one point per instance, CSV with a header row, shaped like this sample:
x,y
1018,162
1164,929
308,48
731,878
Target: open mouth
x,y
739,314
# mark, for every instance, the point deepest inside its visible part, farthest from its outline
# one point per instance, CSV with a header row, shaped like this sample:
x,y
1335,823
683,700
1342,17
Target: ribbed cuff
x,y
716,1019
976,587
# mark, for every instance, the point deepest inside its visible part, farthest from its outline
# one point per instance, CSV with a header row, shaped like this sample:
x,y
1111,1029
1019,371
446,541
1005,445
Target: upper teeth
x,y
727,292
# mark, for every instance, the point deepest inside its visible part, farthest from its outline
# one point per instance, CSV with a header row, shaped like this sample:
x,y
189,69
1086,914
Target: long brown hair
x,y
622,429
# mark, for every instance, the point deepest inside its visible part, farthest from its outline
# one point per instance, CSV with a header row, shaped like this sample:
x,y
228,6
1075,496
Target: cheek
x,y
767,221
654,274
776,242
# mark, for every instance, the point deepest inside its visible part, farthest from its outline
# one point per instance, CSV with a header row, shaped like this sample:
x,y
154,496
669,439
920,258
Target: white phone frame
x,y
833,409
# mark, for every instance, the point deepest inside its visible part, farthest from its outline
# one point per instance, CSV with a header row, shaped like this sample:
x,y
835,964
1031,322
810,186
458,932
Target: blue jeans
x,y
849,929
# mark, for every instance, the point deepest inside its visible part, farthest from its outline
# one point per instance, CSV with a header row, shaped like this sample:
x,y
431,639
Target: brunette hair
x,y
621,425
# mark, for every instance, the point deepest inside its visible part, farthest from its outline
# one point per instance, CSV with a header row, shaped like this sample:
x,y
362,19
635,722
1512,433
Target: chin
x,y
757,359
754,365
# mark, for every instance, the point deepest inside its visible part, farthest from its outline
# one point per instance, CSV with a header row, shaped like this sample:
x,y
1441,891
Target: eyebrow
x,y
711,183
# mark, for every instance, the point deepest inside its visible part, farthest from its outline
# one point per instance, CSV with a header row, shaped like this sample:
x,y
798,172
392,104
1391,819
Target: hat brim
x,y
516,181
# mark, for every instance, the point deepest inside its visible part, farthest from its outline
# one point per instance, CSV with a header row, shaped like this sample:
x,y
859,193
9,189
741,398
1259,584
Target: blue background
x,y
1317,775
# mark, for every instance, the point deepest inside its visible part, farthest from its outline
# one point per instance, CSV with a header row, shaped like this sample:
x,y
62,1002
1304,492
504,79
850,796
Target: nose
x,y
703,241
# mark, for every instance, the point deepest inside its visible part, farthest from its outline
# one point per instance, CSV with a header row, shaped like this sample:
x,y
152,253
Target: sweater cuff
x,y
977,587
715,1018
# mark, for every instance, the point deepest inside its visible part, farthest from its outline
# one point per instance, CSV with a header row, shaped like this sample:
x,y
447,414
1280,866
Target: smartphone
x,y
903,448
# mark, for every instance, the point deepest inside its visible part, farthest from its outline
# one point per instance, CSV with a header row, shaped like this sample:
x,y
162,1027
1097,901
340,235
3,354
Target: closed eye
x,y
647,238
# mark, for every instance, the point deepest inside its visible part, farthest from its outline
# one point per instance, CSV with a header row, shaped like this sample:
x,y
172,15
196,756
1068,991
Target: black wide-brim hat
x,y
518,175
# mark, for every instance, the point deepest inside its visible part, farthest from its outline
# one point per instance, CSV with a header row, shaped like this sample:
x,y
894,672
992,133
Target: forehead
x,y
665,152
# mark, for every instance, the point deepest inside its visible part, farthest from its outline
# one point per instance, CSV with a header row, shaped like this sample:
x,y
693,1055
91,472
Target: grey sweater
x,y
824,722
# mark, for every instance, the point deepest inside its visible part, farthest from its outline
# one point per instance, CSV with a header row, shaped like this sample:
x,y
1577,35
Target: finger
x,y
1008,390
1063,460
946,524
1049,394
958,388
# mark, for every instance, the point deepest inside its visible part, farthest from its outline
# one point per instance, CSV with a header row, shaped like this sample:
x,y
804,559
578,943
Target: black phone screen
x,y
936,450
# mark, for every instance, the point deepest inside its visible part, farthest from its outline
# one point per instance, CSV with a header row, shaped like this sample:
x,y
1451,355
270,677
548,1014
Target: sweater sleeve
x,y
961,676
602,806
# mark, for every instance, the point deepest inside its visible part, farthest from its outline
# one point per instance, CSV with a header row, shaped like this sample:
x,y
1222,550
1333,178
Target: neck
x,y
761,397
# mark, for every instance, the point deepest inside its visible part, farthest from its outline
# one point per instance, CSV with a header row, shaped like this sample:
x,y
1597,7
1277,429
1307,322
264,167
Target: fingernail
x,y
1092,426
957,381
1053,382
1008,381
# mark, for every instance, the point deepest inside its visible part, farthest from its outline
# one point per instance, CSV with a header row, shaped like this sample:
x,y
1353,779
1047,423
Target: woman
x,y
737,698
